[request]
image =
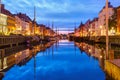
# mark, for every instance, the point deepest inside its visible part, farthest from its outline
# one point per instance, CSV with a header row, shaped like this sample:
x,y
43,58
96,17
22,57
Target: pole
x,y
0,6
34,26
0,14
107,38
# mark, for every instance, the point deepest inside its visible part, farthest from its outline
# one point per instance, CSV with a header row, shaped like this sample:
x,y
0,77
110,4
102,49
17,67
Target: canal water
x,y
62,61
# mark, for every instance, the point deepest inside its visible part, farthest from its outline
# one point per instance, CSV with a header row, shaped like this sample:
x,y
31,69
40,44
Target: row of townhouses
x,y
21,24
96,27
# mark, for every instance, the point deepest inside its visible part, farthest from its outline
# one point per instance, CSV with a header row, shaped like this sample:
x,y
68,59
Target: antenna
x,y
75,26
53,26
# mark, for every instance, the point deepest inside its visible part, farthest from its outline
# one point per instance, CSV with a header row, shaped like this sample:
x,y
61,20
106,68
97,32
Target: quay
x,y
9,41
112,68
113,40
1,75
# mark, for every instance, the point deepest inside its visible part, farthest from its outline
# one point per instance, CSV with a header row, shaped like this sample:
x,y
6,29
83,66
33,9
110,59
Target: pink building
x,y
77,32
93,29
87,26
18,25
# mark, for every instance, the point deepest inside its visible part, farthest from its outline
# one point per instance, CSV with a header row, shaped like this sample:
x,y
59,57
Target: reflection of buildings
x,y
92,50
19,55
99,53
8,60
22,56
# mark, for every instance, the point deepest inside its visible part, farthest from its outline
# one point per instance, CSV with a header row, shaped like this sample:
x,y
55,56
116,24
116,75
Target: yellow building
x,y
11,24
3,24
37,31
30,28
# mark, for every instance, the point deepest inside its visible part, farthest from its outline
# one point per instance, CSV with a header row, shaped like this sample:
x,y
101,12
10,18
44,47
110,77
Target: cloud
x,y
65,12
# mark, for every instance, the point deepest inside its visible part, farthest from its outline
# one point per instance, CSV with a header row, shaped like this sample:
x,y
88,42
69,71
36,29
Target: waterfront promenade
x,y
11,40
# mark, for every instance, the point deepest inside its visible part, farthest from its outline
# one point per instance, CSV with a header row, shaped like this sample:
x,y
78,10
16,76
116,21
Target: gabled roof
x,y
109,6
24,17
81,25
5,11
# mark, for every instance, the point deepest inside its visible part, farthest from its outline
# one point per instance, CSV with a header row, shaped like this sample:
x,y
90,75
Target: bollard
x,y
2,53
111,54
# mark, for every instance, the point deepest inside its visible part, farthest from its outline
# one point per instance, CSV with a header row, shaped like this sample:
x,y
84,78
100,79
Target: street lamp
x,y
107,38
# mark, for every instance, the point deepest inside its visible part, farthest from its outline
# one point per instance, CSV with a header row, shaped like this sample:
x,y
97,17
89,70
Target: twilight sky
x,y
64,13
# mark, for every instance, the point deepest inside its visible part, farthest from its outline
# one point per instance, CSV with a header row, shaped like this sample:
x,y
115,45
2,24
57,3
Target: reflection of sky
x,y
63,65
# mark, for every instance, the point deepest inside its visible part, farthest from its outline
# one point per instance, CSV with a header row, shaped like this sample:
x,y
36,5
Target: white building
x,y
102,18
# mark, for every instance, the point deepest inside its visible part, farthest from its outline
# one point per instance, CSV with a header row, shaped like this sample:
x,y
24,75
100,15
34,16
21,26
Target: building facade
x,y
93,29
26,24
102,18
118,20
87,26
3,24
10,28
18,25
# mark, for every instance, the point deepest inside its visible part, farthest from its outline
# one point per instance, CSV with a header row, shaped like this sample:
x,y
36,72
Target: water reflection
x,y
19,56
61,61
93,51
98,52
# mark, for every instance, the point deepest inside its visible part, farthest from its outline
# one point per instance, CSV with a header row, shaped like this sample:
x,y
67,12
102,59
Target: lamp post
x,y
107,38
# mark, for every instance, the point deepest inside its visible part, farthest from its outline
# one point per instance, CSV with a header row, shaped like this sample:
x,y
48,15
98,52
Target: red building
x,y
5,11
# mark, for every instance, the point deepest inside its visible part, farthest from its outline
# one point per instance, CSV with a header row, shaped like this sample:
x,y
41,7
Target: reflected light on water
x,y
63,41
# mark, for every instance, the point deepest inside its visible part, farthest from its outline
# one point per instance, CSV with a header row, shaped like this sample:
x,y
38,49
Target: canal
x,y
63,60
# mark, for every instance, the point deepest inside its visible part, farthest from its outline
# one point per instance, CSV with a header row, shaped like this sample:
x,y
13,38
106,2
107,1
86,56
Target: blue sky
x,y
64,13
